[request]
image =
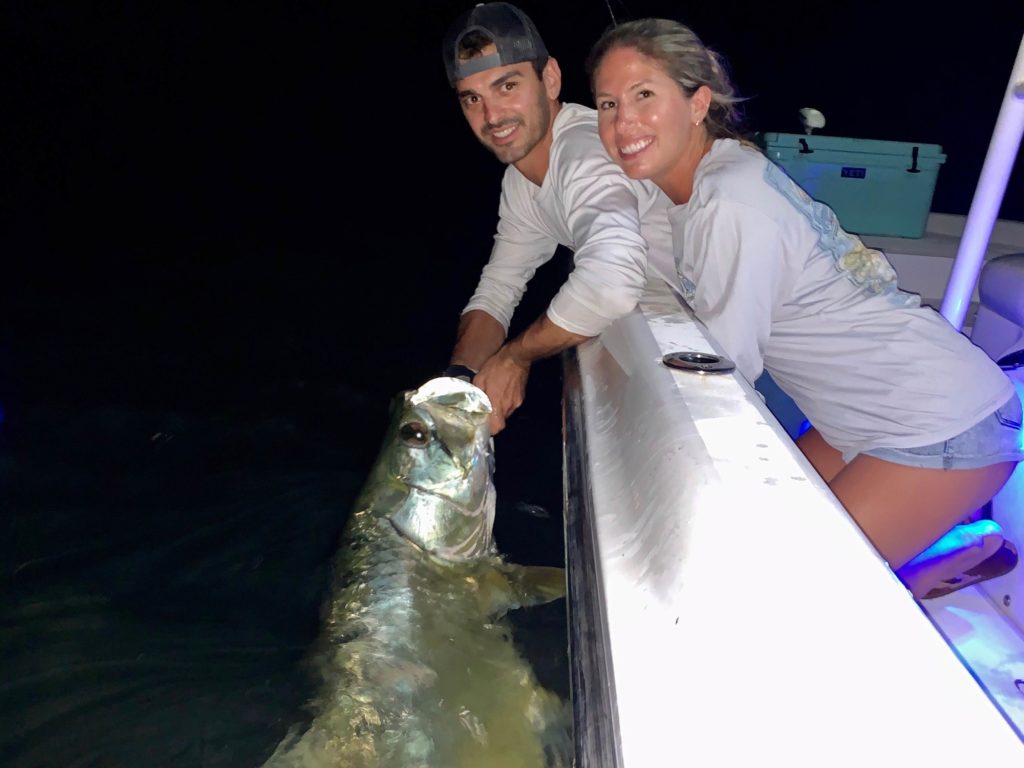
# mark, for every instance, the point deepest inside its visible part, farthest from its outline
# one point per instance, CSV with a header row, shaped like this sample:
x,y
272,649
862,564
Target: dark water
x,y
177,458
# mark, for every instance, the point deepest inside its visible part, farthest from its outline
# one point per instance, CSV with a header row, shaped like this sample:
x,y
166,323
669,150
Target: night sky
x,y
243,150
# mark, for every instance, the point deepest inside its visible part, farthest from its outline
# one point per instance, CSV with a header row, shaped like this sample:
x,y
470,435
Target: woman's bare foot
x,y
957,551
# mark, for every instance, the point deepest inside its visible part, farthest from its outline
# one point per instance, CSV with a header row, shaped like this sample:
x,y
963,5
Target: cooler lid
x,y
843,144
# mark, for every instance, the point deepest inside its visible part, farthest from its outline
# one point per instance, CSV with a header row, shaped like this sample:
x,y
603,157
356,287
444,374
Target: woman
x,y
914,427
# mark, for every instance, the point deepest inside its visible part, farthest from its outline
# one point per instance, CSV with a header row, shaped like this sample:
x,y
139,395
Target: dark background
x,y
246,153
232,232
204,175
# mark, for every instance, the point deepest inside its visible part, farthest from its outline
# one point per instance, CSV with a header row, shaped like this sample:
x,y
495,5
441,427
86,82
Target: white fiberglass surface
x,y
748,618
989,643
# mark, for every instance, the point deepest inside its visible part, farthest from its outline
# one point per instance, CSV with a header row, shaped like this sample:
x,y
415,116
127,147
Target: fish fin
x,y
533,584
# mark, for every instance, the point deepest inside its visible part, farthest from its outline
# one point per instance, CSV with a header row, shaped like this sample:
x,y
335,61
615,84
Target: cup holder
x,y
699,362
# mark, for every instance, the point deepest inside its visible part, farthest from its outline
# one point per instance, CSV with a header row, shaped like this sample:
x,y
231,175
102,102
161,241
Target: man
x,y
560,188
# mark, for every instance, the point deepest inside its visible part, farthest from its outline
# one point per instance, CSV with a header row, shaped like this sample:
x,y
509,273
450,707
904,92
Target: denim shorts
x,y
993,440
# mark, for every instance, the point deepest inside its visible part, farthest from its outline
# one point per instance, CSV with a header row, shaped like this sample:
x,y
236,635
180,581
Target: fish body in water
x,y
418,666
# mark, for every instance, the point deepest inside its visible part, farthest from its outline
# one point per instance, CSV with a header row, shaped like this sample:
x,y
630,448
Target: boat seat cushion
x,y
1001,288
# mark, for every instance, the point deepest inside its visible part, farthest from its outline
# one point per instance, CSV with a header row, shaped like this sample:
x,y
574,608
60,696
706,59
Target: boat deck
x,y
738,614
984,623
989,644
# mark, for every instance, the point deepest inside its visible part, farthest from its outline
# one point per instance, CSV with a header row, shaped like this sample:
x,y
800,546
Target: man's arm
x,y
503,377
520,247
602,215
479,337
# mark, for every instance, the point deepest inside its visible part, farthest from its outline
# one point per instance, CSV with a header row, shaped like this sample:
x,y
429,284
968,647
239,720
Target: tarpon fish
x,y
418,666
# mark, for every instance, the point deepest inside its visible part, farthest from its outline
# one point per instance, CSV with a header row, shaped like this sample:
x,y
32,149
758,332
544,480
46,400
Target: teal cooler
x,y
875,187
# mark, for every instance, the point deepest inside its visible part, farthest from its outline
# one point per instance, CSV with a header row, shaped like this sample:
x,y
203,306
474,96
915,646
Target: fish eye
x,y
414,434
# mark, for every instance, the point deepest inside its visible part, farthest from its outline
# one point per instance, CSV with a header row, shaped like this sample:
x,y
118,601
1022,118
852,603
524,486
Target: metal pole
x,y
988,196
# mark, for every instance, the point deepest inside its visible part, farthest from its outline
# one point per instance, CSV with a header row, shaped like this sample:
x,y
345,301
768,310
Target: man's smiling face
x,y
507,107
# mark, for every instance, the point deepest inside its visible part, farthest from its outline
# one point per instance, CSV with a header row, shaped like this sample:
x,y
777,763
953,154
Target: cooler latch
x,y
913,162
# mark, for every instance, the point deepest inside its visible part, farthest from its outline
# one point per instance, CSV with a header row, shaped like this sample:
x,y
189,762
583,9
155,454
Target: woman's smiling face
x,y
645,119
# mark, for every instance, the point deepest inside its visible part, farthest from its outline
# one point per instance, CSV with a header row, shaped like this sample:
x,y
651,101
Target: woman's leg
x,y
826,460
951,551
904,510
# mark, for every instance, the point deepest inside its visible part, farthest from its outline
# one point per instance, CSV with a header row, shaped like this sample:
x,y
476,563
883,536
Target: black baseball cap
x,y
511,31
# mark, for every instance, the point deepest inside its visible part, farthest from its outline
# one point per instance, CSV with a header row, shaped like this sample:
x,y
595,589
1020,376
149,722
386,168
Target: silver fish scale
x,y
420,674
